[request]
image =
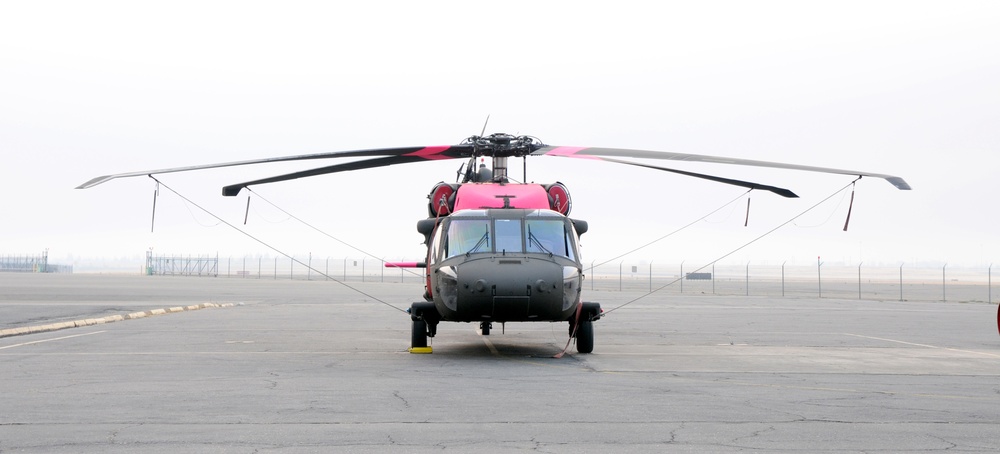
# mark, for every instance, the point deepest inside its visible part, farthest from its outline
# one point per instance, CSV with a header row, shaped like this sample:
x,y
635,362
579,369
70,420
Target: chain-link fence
x,y
817,280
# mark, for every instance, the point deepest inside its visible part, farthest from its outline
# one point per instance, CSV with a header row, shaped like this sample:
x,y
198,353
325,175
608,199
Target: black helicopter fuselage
x,y
501,252
505,265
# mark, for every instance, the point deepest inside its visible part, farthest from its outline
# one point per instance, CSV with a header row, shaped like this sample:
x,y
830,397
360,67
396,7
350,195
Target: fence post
x,y
713,278
859,279
748,278
944,294
651,276
783,278
901,281
309,268
682,276
620,275
819,276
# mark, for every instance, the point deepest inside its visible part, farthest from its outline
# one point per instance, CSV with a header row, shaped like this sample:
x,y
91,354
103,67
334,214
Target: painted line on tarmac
x,y
50,340
925,345
109,319
489,344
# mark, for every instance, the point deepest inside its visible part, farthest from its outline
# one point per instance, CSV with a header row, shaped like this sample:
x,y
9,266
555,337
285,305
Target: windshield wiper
x,y
533,240
485,240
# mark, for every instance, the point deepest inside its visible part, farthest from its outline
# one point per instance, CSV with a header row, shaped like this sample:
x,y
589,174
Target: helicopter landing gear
x,y
584,333
585,337
418,335
484,328
425,319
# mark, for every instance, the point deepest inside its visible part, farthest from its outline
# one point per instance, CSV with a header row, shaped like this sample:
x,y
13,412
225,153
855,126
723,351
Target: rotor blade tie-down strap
x,y
156,193
246,215
850,206
576,327
275,249
605,313
746,221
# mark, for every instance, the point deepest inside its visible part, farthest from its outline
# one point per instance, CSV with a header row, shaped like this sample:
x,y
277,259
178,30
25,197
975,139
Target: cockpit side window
x,y
468,236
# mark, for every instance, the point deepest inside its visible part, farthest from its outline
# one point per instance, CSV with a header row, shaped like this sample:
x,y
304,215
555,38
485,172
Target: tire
x,y
585,337
418,336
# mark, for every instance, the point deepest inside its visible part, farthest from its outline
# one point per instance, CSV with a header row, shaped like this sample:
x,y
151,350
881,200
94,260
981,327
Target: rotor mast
x,y
500,169
501,146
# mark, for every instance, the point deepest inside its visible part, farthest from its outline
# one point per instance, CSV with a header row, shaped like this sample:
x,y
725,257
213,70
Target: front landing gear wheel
x,y
585,337
418,336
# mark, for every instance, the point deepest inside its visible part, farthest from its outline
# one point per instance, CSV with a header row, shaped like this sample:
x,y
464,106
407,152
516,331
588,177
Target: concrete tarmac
x,y
314,366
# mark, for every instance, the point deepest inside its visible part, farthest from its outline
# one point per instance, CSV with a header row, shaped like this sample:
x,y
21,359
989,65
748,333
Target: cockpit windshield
x,y
548,236
533,234
467,236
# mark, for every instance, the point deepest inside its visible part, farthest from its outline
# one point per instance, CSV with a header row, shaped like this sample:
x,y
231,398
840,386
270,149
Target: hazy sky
x,y
905,88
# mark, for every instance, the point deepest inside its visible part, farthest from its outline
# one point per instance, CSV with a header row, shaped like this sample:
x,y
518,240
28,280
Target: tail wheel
x,y
418,337
585,337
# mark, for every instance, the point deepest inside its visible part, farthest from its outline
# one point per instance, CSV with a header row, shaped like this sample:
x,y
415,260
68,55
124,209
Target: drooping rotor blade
x,y
414,153
746,184
234,189
598,153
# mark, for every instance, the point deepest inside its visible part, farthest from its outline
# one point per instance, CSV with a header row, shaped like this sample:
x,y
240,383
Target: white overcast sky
x,y
906,88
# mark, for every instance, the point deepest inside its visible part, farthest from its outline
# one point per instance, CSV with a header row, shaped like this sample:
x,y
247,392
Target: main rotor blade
x,y
417,153
234,189
746,184
597,153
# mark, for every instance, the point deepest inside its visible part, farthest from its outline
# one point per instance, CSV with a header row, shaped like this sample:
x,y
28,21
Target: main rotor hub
x,y
501,145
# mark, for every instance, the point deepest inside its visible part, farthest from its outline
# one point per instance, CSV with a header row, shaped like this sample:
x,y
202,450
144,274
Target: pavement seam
x,y
109,319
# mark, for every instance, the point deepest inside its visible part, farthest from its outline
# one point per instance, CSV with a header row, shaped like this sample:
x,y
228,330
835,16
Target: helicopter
x,y
500,251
